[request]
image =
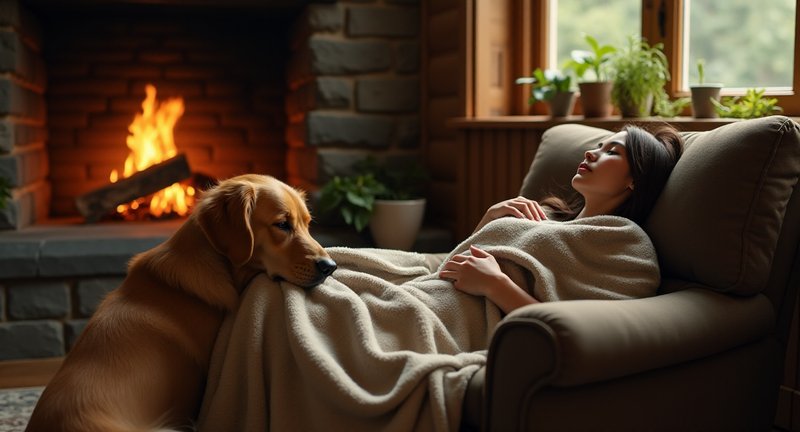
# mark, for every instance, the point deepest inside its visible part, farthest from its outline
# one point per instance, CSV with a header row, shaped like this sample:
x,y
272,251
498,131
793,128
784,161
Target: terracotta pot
x,y
596,98
396,223
701,100
629,109
561,104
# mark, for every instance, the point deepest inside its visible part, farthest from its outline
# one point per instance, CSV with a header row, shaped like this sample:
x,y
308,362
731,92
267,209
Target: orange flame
x,y
151,142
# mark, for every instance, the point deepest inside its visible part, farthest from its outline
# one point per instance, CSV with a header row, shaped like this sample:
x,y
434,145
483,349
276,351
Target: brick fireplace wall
x,y
228,66
354,87
23,155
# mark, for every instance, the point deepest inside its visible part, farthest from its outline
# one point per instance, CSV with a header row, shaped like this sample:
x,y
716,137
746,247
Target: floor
x,y
16,406
21,383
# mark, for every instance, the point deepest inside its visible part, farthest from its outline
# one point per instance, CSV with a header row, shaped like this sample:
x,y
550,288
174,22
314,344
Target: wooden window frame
x,y
529,30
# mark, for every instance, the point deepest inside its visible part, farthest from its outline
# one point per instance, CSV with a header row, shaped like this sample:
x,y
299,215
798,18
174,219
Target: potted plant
x,y
703,93
641,71
752,105
551,86
596,90
386,197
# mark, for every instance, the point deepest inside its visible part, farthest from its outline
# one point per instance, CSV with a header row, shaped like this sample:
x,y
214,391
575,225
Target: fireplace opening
x,y
224,61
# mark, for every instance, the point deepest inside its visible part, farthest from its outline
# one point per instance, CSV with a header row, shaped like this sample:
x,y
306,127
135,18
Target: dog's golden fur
x,y
142,360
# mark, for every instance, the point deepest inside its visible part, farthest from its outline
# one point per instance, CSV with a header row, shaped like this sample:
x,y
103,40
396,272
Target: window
x,y
743,43
761,32
608,22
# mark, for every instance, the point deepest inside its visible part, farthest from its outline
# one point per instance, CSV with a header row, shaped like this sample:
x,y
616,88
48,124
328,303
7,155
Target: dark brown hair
x,y
652,154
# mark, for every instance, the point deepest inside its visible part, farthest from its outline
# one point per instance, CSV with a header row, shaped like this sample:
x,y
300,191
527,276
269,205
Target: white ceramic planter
x,y
395,224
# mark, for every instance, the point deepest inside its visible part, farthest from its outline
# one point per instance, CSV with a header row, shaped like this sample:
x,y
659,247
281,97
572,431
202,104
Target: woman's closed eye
x,y
611,150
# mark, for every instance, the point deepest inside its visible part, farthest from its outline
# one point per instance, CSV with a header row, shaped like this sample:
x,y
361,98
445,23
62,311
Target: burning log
x,y
97,203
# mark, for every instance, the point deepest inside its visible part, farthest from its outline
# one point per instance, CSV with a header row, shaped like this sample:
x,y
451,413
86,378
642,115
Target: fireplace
x,y
296,89
226,65
291,88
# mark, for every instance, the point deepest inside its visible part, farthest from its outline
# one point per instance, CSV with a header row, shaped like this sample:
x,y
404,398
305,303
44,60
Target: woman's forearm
x,y
507,295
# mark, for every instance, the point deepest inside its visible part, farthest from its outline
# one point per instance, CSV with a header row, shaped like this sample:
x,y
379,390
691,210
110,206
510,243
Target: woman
x,y
623,176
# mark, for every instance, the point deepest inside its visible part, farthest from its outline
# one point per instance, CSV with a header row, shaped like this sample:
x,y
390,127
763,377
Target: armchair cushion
x,y
723,234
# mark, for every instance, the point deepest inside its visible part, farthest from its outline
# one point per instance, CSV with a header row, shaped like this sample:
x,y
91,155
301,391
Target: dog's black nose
x,y
326,266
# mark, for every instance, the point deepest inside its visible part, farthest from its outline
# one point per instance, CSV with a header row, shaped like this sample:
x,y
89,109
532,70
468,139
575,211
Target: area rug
x,y
16,406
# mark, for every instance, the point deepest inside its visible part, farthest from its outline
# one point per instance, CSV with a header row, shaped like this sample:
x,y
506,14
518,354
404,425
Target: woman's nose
x,y
589,155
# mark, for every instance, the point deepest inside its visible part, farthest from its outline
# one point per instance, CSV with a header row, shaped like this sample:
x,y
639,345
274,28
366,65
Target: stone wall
x,y
52,278
45,316
23,156
354,87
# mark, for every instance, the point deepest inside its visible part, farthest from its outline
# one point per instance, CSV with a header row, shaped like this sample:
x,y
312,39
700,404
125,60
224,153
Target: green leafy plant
x,y
5,192
667,108
354,195
596,60
545,84
752,105
641,72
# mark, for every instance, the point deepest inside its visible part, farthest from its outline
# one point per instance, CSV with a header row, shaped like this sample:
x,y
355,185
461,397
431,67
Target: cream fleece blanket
x,y
384,344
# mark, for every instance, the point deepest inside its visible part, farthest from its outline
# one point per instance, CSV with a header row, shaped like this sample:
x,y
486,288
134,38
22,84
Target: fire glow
x,y
151,141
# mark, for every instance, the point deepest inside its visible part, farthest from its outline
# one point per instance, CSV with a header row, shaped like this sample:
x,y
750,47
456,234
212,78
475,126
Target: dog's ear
x,y
224,217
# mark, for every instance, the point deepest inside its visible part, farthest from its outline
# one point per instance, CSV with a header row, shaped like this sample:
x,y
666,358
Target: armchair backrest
x,y
728,218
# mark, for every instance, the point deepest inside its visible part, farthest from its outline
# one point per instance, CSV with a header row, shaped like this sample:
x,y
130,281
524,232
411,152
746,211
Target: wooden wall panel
x,y
492,164
494,57
445,46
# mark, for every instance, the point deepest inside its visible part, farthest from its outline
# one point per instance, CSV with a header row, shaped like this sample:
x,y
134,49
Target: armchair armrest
x,y
576,342
593,340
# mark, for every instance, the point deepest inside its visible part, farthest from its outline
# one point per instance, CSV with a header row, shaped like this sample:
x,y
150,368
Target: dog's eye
x,y
284,226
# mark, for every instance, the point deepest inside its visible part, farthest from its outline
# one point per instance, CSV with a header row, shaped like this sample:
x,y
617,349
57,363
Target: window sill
x,y
612,123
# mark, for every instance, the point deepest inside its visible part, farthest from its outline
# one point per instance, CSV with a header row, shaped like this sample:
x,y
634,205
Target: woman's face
x,y
604,172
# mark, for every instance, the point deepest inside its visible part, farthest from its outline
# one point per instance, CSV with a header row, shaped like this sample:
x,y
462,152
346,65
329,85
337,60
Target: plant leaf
x,y
361,220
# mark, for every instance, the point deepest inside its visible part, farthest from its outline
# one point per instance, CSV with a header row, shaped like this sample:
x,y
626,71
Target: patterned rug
x,y
16,406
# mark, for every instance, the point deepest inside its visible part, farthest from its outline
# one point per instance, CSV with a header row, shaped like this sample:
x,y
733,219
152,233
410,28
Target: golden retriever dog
x,y
141,362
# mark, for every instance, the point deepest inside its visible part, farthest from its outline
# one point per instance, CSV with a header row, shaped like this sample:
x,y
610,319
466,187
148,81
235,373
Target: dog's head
x,y
261,222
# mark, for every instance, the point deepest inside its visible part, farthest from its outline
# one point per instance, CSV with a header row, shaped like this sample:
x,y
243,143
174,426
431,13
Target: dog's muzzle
x,y
326,266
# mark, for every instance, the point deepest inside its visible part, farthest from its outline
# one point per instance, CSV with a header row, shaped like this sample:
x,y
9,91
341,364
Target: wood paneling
x,y
494,57
492,164
446,48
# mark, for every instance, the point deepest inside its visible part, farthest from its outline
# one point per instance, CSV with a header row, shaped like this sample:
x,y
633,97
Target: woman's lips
x,y
583,167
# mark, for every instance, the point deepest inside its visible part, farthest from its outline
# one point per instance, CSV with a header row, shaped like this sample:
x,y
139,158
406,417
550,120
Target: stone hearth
x,y
52,276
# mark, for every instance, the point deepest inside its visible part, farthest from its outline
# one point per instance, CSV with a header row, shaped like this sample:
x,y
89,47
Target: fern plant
x,y
641,72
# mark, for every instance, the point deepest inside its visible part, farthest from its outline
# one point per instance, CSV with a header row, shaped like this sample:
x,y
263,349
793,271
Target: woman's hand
x,y
473,274
479,274
519,207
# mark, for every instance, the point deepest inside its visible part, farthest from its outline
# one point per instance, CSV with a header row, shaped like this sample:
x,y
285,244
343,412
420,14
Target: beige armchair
x,y
705,354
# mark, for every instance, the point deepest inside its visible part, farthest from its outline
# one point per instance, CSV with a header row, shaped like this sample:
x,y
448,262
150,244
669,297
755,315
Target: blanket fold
x,y
384,344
